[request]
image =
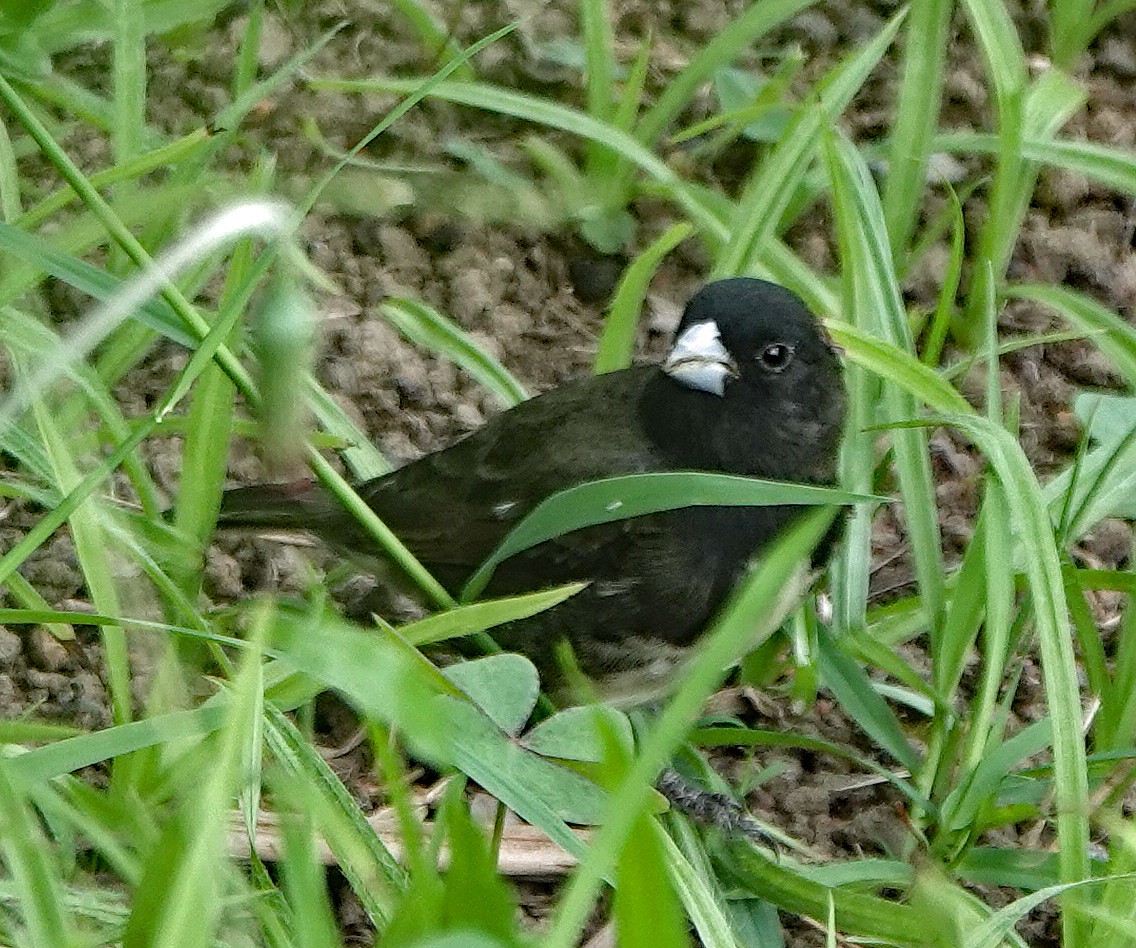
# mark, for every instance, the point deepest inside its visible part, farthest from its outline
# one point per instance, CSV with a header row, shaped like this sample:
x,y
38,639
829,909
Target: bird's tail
x,y
299,506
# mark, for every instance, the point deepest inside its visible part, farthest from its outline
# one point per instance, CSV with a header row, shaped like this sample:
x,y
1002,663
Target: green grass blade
x,y
10,197
434,35
896,365
425,326
83,276
31,864
758,19
179,900
936,334
1109,166
876,292
161,158
1043,570
129,73
479,616
371,870
617,342
722,645
94,560
925,44
791,890
595,23
853,689
769,191
362,458
617,498
205,451
248,99
543,112
1115,337
645,906
702,904
118,231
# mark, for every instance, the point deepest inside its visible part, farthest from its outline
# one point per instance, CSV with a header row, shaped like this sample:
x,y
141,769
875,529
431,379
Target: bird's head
x,y
748,332
749,354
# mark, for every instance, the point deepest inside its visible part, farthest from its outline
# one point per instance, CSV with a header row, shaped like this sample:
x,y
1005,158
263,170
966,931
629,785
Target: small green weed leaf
x,y
575,733
504,686
538,790
1112,416
609,231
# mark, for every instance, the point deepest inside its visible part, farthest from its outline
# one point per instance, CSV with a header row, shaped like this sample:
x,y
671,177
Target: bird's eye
x,y
776,356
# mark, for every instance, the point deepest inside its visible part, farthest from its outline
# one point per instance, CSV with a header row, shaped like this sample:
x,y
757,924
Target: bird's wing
x,y
452,508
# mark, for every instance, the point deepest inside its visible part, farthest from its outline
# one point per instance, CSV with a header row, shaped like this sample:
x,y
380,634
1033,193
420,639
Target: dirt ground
x,y
535,297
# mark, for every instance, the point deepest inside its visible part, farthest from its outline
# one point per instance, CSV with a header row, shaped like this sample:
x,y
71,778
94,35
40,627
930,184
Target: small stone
x,y
594,278
10,646
664,314
55,684
400,250
45,650
9,696
943,166
1119,56
470,296
467,417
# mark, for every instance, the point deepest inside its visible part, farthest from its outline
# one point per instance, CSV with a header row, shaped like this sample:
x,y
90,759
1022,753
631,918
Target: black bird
x,y
752,386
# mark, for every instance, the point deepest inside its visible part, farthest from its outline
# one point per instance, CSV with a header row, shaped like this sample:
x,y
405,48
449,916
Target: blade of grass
x,y
770,189
10,198
90,547
129,82
205,449
876,294
1043,570
179,900
758,19
156,159
750,606
925,44
373,873
617,498
1115,337
1109,166
427,327
121,235
433,35
35,873
617,342
595,28
948,294
543,112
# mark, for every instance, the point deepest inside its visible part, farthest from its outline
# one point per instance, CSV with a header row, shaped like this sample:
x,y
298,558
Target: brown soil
x,y
521,291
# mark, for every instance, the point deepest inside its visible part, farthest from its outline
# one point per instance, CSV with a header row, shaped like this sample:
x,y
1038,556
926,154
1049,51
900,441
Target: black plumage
x,y
752,387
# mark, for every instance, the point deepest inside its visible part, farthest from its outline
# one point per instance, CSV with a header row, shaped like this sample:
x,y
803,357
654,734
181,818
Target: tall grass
x,y
146,856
